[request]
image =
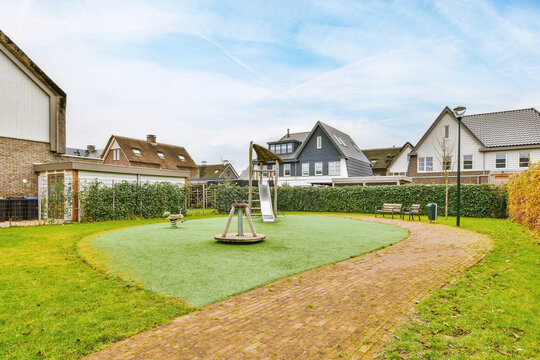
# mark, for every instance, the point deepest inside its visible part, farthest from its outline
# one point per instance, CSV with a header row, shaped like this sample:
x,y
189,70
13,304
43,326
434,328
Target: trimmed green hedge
x,y
130,201
476,200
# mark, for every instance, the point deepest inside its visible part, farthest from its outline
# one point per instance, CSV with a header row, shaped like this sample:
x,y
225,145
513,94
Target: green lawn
x,y
491,312
54,306
188,263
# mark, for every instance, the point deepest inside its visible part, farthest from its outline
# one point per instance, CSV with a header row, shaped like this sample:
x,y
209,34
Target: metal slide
x,y
267,210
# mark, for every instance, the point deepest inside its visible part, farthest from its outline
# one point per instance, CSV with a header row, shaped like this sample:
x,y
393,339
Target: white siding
x,y
401,164
156,179
24,106
107,179
512,159
469,146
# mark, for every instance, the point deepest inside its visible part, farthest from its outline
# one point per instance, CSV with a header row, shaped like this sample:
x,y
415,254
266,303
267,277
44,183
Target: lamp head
x,y
460,111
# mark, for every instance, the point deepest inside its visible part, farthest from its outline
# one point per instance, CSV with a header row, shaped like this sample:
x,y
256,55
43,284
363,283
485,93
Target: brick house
x,y
32,120
148,153
493,146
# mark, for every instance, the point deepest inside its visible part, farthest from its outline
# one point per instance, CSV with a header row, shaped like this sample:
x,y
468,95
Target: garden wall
x,y
524,198
476,200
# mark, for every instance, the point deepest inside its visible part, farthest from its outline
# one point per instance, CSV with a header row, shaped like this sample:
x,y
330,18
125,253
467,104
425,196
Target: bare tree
x,y
445,149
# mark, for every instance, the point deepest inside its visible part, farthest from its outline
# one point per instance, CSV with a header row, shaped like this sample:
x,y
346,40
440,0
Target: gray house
x,y
318,156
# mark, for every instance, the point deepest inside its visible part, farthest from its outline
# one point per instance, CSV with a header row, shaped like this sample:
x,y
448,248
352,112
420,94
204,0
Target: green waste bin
x,y
432,211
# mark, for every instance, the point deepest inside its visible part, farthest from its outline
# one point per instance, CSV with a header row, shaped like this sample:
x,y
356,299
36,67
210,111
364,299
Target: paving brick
x,y
348,309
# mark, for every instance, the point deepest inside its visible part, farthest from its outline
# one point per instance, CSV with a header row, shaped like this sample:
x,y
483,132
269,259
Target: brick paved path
x,y
344,310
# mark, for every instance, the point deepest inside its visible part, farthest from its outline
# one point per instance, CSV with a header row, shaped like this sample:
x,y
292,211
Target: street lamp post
x,y
459,111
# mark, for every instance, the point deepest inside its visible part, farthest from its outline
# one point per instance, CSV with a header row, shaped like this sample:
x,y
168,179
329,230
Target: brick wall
x,y
16,165
467,177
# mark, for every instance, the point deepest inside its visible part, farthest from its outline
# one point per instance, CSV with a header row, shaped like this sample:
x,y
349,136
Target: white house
x,y
493,146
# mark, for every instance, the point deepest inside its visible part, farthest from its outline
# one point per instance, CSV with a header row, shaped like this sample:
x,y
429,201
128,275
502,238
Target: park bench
x,y
411,211
388,209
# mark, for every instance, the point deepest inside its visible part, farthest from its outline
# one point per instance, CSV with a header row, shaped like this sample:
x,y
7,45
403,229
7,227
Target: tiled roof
x,y
149,154
348,147
301,136
381,158
94,154
213,171
505,128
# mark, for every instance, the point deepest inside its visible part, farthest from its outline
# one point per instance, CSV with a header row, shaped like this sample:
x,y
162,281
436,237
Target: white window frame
x,y
305,166
160,154
319,142
528,162
273,148
289,148
116,154
472,162
278,149
137,151
283,148
500,167
286,168
447,131
182,157
321,165
423,161
334,168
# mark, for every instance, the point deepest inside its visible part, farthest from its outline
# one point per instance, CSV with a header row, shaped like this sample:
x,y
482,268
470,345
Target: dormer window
x,y
181,157
161,155
137,151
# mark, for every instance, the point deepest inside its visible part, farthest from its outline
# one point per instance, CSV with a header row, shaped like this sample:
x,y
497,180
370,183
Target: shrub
x,y
524,197
477,200
127,200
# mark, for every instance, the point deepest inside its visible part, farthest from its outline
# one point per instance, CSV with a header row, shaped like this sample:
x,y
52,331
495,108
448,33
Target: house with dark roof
x,y
215,173
149,153
318,156
493,146
389,161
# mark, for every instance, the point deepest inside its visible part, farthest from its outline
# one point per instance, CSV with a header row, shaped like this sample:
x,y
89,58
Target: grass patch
x,y
491,312
53,305
188,262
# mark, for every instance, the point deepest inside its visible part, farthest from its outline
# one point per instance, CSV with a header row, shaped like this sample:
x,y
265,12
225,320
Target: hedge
x,y
524,197
476,200
129,200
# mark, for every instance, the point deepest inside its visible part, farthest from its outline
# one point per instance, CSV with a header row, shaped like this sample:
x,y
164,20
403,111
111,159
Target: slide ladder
x,y
265,199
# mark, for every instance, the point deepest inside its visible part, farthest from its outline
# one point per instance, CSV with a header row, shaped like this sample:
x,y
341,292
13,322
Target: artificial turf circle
x,y
187,262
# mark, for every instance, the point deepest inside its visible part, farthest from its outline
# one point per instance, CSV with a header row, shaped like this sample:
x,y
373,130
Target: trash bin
x,y
432,212
17,208
31,208
4,209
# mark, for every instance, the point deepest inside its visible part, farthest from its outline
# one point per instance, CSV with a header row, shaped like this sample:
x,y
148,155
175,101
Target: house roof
x,y
348,147
381,158
149,153
214,171
506,128
301,136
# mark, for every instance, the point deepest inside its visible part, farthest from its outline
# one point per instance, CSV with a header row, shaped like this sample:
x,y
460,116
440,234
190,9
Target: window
x,y
305,169
319,142
467,162
286,169
334,168
283,148
446,131
273,148
500,160
447,163
289,148
340,141
137,151
116,154
318,168
161,155
524,159
278,149
425,163
181,157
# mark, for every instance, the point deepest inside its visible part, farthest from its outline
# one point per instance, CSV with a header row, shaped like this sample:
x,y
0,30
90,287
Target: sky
x,y
213,75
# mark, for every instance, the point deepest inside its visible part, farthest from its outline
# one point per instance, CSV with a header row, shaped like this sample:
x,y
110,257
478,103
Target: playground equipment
x,y
264,156
239,237
174,219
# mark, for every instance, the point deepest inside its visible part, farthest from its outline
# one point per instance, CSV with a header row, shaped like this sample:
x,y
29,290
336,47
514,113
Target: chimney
x,y
225,162
91,147
203,163
288,135
151,139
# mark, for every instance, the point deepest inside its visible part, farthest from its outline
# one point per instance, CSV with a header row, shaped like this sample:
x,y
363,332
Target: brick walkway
x,y
344,310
